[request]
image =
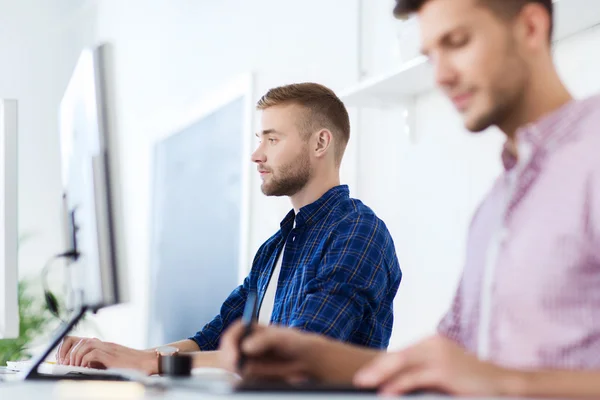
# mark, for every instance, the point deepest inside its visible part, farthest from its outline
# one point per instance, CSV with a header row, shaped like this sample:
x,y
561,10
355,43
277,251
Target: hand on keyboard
x,y
86,352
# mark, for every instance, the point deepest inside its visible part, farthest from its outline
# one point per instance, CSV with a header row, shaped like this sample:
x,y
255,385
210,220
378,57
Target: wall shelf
x,y
396,86
402,84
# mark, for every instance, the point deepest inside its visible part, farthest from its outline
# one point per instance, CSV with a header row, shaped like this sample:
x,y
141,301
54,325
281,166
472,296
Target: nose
x,y
259,156
445,74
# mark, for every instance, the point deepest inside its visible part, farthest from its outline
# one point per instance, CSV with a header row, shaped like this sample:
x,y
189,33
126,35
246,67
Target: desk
x,y
56,391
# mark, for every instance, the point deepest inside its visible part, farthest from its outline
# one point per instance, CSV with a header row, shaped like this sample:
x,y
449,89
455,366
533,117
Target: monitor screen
x,y
9,307
90,176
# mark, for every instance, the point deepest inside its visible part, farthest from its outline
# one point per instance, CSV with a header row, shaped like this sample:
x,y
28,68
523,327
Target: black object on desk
x,y
275,386
266,386
176,365
248,318
76,376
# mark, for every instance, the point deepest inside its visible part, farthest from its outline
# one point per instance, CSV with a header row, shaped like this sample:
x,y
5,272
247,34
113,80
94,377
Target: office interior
x,y
409,157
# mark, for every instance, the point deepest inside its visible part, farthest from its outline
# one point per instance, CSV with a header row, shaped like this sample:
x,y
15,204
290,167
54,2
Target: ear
x,y
536,24
323,143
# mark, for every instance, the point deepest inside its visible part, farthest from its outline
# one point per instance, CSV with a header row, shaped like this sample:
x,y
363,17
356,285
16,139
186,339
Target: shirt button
x,y
293,238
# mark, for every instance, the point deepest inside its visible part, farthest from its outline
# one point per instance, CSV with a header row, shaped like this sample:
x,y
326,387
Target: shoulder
x,y
353,219
577,159
586,143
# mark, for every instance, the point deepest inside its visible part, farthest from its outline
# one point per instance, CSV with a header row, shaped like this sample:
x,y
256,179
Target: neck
x,y
315,189
545,95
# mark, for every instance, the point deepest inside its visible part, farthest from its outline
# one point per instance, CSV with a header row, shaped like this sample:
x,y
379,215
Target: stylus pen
x,y
248,318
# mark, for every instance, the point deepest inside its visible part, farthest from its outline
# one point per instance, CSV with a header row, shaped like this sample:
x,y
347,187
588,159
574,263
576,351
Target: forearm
x,y
555,384
337,362
200,358
206,359
185,346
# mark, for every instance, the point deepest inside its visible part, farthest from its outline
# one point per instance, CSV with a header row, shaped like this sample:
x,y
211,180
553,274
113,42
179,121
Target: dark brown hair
x,y
324,110
504,8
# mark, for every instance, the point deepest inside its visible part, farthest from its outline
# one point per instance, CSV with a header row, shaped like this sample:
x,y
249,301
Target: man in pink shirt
x,y
526,317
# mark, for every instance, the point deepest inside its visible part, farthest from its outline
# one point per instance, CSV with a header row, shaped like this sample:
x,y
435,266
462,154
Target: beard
x,y
504,105
505,96
290,178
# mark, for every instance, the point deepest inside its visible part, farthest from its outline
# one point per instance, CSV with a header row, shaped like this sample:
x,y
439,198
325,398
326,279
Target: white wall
x,y
425,192
38,51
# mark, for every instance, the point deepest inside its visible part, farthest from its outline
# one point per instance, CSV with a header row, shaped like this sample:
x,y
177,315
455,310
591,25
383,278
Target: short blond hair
x,y
324,110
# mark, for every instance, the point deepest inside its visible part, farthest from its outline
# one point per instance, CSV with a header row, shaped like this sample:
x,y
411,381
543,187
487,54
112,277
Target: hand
x,y
271,352
434,364
292,355
93,353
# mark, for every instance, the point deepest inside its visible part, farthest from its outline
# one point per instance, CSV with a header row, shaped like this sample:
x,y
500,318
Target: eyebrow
x,y
444,39
266,132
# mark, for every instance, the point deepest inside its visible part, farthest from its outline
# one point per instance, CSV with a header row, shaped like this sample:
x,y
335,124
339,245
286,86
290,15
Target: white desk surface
x,y
53,390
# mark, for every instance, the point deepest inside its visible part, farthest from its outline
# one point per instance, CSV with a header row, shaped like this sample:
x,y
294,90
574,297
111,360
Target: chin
x,y
476,124
265,190
268,191
475,129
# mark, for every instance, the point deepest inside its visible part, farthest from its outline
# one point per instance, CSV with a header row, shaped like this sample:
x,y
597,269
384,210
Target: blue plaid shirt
x,y
339,275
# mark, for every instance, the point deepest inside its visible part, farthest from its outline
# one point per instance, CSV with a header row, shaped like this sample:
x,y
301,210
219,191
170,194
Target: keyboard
x,y
48,370
55,369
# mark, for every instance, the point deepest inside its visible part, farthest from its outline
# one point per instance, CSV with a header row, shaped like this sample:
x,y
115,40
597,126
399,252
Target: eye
x,y
272,140
458,40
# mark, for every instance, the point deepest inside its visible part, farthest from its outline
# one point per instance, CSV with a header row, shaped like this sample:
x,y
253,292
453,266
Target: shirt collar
x,y
548,131
312,213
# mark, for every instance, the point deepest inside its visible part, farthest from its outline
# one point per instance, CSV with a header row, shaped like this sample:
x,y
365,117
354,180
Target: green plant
x,y
35,321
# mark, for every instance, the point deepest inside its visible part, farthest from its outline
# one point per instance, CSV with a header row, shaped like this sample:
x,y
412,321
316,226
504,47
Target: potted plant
x,y
35,322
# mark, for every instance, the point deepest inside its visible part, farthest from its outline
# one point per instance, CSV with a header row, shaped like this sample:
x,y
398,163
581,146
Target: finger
x,y
74,350
273,370
384,367
229,346
418,379
57,355
96,358
85,348
69,358
95,365
298,378
64,348
265,340
381,370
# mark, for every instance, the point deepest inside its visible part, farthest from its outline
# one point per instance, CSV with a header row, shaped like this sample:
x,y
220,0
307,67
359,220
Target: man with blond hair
x,y
331,269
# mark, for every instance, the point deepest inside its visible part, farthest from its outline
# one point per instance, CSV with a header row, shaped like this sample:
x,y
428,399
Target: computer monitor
x,y
9,306
92,202
90,175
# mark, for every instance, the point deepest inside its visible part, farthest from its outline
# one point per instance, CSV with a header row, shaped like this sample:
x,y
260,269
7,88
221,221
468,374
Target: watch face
x,y
167,350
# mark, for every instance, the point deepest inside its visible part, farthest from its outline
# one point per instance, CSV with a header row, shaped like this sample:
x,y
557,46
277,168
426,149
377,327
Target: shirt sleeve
x,y
208,338
452,323
358,272
592,219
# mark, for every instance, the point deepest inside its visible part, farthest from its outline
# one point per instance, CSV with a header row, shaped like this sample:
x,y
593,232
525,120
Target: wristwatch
x,y
163,351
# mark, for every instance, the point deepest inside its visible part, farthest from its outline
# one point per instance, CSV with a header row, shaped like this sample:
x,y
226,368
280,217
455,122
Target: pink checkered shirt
x,y
529,296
